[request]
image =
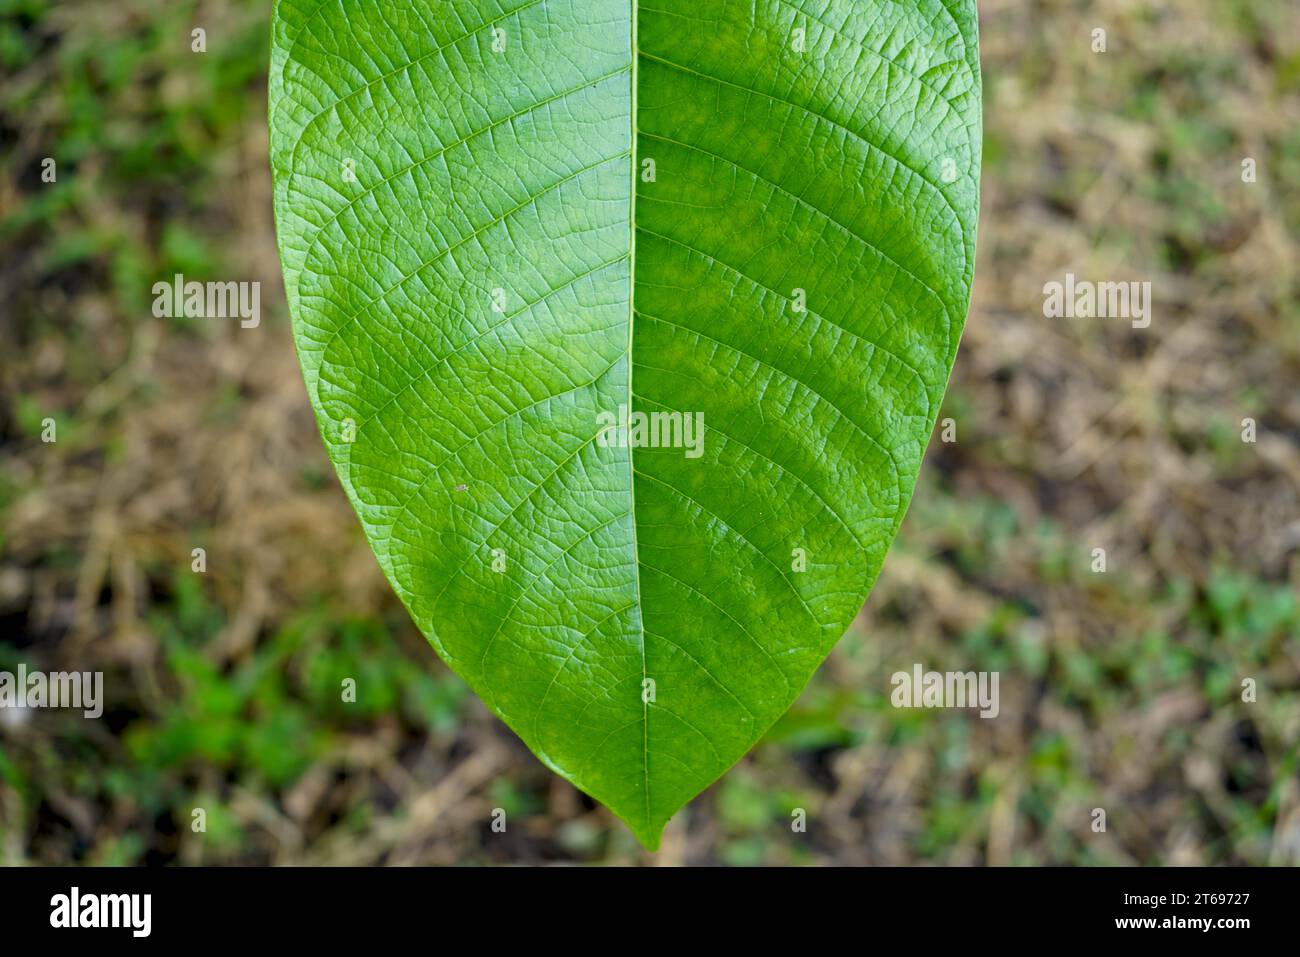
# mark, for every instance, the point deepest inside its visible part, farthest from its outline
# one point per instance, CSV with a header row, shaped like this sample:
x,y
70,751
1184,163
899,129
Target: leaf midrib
x,y
631,469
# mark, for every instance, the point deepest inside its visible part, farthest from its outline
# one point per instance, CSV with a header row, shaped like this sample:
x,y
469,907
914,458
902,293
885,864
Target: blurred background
x,y
1120,690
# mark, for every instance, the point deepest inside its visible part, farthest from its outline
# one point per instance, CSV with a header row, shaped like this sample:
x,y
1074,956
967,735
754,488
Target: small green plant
x,y
626,329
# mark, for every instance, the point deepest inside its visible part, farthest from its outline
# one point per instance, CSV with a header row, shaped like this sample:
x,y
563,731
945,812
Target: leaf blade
x,y
555,574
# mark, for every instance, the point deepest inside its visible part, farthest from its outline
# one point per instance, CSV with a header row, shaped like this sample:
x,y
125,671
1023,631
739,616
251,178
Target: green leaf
x,y
480,275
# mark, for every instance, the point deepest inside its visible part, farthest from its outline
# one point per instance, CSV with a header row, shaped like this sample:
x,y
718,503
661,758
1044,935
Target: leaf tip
x,y
648,836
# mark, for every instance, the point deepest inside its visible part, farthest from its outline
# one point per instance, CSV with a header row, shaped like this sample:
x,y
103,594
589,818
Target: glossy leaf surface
x,y
502,220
